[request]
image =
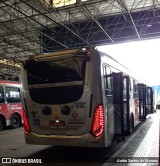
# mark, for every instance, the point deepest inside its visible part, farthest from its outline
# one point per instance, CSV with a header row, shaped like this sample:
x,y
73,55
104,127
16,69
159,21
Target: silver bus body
x,y
69,98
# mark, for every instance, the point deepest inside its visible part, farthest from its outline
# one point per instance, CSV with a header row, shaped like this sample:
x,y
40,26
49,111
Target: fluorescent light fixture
x,y
9,63
61,3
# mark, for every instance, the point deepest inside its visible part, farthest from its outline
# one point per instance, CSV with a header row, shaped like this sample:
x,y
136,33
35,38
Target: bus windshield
x,y
54,79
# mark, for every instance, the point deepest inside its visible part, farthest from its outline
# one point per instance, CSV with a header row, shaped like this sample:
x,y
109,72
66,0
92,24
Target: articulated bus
x,y
80,98
11,112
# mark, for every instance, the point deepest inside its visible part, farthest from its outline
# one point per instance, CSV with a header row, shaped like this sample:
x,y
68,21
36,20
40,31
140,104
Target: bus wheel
x,y
2,123
15,121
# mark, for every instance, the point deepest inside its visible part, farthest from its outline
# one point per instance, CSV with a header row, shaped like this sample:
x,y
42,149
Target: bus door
x,y
142,101
109,100
126,107
118,105
149,100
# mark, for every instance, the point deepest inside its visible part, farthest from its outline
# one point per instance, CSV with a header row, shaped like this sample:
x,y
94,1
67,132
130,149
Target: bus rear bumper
x,y
86,140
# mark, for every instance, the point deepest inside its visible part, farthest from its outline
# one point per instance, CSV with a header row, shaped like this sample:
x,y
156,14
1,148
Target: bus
x,y
80,98
11,113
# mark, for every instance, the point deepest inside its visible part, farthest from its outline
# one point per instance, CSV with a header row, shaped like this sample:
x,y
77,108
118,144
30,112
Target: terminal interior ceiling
x,y
29,27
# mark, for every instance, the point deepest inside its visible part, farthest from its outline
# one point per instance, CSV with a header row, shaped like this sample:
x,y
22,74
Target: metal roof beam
x,y
124,5
17,45
91,2
58,23
97,22
9,28
36,22
54,11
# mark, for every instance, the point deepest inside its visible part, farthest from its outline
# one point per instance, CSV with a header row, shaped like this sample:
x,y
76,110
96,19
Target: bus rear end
x,y
60,108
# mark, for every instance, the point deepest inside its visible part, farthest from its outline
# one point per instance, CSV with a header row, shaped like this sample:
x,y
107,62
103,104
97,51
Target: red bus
x,y
10,104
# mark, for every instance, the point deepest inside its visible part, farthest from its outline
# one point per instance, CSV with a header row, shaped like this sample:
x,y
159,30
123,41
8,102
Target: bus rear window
x,y
56,81
63,70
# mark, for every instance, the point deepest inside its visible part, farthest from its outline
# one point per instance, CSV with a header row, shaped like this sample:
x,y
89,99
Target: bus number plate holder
x,y
57,124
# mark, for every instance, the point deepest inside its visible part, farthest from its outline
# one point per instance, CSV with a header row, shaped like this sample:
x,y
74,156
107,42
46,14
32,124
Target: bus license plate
x,y
57,124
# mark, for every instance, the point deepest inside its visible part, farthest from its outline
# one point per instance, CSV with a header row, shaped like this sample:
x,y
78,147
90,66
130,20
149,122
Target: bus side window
x,y
12,94
141,95
107,81
2,99
124,88
131,88
131,85
135,89
148,94
118,88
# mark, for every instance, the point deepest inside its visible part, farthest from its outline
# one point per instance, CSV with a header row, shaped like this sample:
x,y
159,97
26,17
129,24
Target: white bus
x,y
79,98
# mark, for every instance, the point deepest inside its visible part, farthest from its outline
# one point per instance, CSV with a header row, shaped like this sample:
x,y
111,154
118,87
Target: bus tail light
x,y
25,124
98,121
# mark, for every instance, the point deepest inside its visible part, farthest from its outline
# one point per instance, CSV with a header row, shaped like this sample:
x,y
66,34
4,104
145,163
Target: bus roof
x,y
56,54
7,82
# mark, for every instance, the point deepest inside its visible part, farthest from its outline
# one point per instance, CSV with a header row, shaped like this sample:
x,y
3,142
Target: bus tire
x,y
2,123
15,121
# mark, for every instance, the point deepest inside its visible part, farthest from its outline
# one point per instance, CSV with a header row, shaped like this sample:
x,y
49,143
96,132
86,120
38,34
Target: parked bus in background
x,y
80,98
10,104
